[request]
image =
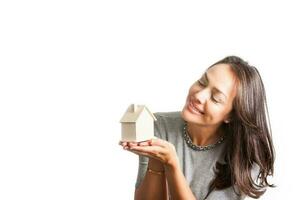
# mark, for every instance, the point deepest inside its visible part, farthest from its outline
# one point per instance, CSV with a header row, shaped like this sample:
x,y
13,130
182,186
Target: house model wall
x,y
137,124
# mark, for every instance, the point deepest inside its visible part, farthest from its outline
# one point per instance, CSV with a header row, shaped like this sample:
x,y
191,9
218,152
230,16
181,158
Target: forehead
x,y
223,77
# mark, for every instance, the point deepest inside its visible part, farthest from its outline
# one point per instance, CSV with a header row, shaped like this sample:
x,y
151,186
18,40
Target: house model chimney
x,y
133,108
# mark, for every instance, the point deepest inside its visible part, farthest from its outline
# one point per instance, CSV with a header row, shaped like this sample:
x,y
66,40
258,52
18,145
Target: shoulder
x,y
169,115
167,123
168,118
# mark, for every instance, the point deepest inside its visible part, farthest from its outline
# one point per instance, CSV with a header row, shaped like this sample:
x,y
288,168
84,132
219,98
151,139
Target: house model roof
x,y
133,112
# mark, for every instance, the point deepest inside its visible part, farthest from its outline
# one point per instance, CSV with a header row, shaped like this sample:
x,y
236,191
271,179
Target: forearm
x,y
178,187
154,185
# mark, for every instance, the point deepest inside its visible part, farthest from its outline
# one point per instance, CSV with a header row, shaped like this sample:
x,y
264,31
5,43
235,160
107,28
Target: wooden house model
x,y
137,124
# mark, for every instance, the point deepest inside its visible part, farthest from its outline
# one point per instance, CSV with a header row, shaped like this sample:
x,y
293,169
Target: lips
x,y
194,109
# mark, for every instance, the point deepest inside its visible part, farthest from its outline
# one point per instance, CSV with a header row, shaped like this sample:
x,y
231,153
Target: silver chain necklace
x,y
196,147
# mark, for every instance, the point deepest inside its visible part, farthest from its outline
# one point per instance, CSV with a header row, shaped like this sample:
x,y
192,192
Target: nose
x,y
202,96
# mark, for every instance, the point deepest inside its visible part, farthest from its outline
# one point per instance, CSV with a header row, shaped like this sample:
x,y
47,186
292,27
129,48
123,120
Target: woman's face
x,y
210,99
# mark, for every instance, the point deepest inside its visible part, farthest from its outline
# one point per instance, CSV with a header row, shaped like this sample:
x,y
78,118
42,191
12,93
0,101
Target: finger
x,y
132,144
123,143
158,142
144,143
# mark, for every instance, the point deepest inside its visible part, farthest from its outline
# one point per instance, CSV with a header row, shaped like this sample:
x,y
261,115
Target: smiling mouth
x,y
194,109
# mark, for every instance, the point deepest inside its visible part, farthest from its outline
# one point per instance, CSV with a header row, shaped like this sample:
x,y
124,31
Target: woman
x,y
218,147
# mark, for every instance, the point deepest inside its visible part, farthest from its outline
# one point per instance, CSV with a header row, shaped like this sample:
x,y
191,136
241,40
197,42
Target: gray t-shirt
x,y
197,166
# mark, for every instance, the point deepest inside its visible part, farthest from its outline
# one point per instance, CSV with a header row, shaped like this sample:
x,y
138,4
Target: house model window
x,y
137,124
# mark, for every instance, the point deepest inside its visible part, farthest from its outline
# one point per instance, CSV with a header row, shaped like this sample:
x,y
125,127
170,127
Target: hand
x,y
157,149
153,164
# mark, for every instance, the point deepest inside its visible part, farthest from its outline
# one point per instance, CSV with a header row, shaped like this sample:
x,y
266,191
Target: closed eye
x,y
216,99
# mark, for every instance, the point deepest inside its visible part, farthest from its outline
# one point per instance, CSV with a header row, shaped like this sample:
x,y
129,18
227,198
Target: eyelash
x,y
215,100
203,85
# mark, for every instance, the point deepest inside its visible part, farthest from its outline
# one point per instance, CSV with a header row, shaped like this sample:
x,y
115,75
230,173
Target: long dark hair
x,y
248,135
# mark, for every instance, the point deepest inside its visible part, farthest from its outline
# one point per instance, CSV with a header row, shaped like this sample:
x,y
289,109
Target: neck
x,y
204,135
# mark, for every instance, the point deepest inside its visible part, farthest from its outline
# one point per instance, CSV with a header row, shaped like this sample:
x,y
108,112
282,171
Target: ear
x,y
226,121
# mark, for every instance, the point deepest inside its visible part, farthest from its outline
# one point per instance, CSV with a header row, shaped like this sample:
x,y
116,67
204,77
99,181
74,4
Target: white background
x,y
69,69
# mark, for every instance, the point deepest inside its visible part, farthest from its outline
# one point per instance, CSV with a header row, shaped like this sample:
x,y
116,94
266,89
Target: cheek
x,y
216,112
192,90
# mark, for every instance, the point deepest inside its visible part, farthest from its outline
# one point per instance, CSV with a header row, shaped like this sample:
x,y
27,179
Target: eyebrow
x,y
206,77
